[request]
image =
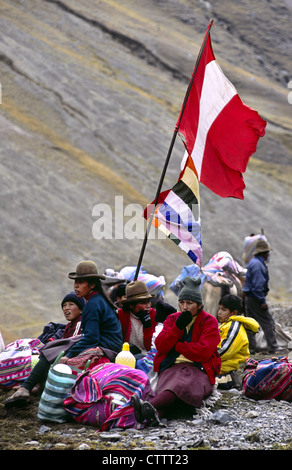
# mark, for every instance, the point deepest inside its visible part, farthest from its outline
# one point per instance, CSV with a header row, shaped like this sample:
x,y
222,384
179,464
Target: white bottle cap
x,y
64,368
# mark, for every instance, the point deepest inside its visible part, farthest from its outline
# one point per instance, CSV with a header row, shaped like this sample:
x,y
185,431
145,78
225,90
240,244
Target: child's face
x,y
71,311
223,313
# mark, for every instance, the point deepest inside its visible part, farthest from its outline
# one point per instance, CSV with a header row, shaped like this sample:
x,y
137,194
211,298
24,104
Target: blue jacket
x,y
257,279
100,326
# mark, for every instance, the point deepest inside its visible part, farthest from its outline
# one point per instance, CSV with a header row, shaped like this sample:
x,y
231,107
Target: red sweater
x,y
124,318
73,328
202,348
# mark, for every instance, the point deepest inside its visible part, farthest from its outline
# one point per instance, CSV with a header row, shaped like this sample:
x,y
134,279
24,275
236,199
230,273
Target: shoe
x,y
150,414
19,399
136,403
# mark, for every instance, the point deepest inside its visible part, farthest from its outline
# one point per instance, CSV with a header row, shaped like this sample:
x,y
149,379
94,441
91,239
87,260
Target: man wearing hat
x,y
255,290
137,318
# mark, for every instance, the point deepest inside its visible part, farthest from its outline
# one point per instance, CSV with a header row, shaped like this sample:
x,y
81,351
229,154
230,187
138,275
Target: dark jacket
x,y
99,327
257,279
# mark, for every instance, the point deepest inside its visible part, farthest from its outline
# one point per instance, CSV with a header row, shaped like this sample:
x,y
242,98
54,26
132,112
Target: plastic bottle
x,y
125,357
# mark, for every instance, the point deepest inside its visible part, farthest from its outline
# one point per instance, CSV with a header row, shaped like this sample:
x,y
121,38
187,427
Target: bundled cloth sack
x,y
19,357
17,360
219,264
268,379
250,245
101,396
155,284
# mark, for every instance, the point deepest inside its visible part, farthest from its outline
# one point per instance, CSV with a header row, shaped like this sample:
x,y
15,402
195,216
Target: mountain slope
x,y
91,92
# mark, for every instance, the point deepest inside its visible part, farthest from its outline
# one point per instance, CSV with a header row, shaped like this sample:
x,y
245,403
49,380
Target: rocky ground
x,y
226,421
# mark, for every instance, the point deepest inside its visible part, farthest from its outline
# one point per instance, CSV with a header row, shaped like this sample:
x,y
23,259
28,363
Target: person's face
x,y
193,307
71,311
82,288
223,313
141,305
120,300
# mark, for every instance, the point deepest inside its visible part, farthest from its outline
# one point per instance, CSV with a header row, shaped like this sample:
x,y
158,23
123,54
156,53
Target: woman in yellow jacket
x,y
234,344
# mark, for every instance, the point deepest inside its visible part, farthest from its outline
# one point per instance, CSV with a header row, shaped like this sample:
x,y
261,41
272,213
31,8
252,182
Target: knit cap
x,y
191,290
72,297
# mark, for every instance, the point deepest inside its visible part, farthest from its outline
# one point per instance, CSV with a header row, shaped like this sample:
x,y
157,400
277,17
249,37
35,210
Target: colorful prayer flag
x,y
177,213
219,131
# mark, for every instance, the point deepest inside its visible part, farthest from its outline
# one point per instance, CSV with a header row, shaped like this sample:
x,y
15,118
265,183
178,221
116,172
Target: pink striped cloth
x,y
16,361
101,396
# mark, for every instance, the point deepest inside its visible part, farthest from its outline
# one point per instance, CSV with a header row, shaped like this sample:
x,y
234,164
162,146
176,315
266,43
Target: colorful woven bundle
x,y
268,379
16,361
249,246
154,283
101,396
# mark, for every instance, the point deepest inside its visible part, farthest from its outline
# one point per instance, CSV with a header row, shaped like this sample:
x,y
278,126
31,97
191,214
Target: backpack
x,y
268,379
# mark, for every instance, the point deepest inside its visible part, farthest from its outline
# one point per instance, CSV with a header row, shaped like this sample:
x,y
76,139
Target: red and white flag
x,y
219,131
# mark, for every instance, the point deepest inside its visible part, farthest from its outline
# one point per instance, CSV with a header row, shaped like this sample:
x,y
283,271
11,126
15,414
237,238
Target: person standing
x,y
255,291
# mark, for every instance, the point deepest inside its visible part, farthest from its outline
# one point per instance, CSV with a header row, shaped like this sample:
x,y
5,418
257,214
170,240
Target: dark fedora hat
x,y
135,291
261,247
86,270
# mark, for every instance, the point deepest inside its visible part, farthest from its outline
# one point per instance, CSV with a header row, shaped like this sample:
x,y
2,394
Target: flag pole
x,y
170,151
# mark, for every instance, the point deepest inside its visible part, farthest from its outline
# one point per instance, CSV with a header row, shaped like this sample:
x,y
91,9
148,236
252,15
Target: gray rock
x,y
107,436
221,417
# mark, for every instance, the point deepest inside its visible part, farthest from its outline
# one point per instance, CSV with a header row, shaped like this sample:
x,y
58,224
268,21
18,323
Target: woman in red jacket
x,y
137,318
187,359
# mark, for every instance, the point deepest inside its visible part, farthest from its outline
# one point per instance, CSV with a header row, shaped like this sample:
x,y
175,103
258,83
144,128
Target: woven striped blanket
x,y
101,396
268,379
16,361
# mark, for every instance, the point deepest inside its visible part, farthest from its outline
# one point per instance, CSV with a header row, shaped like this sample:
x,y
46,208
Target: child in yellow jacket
x,y
234,345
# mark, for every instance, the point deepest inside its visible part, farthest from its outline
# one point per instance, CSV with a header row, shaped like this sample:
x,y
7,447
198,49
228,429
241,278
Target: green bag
x,y
58,386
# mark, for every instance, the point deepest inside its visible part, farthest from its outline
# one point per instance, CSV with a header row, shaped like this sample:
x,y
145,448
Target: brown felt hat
x,y
261,247
86,270
135,291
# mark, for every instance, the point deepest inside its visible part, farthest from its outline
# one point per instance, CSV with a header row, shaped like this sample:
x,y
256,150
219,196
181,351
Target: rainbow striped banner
x,y
177,213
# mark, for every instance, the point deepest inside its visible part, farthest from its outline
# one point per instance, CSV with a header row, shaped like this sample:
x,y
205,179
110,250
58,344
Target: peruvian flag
x,y
219,131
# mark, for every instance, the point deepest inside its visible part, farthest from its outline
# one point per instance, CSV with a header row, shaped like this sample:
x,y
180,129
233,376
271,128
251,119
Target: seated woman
x,y
137,318
187,359
234,344
100,326
72,307
99,323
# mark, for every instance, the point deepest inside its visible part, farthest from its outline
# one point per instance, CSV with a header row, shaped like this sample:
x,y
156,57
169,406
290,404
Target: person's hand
x,y
134,349
184,319
264,306
144,316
